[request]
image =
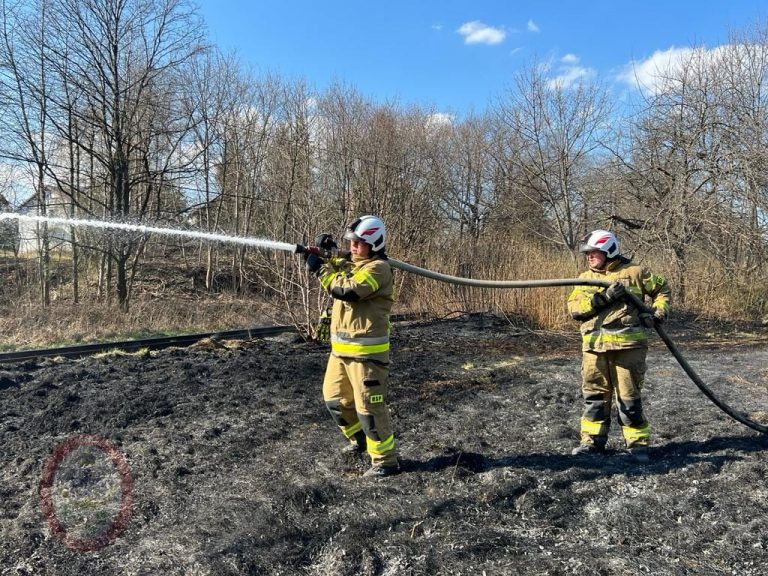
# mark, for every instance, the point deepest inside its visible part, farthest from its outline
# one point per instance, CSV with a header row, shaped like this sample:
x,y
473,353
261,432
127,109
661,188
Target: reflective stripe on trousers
x,y
355,392
615,374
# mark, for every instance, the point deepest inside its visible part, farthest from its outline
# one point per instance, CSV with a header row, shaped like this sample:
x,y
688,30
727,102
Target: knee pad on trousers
x,y
631,413
596,407
369,426
334,407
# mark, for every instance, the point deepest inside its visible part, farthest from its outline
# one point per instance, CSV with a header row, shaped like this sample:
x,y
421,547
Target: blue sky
x,y
460,55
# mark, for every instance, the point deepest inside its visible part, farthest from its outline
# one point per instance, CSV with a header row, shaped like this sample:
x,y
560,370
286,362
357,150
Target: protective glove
x,y
325,241
614,292
338,262
313,263
607,297
650,319
323,329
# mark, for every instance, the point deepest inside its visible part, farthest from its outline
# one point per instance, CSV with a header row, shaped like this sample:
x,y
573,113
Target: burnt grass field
x,y
236,467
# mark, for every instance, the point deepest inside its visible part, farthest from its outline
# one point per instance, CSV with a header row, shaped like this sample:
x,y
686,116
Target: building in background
x,y
28,232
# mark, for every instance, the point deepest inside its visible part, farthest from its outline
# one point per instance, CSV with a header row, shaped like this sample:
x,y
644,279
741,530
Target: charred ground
x,y
237,467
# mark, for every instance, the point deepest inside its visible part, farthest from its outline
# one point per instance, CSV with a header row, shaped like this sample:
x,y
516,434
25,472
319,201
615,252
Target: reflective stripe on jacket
x,y
363,293
618,326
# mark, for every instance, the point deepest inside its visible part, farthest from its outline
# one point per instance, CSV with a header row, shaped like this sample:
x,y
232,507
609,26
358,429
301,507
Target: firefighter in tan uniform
x,y
614,343
357,374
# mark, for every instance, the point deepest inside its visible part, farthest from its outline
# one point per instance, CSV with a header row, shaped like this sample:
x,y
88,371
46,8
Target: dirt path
x,y
235,466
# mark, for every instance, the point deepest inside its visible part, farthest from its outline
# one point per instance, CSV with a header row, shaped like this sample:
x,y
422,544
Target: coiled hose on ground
x,y
635,301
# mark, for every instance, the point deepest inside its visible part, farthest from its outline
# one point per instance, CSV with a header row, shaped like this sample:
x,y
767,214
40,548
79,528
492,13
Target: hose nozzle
x,y
323,253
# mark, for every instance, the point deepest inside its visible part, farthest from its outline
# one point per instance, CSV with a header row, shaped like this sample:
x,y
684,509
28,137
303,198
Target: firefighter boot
x,y
590,445
357,444
380,471
587,449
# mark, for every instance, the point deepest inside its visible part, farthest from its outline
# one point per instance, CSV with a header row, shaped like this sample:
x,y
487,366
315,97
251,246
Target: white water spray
x,y
295,248
104,225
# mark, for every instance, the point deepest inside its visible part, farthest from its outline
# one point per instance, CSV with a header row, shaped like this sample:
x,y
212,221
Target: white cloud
x,y
665,67
439,124
476,32
437,27
566,72
440,119
649,74
533,27
570,76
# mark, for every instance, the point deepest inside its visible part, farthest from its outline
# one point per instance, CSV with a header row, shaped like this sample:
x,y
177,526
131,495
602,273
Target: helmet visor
x,y
349,235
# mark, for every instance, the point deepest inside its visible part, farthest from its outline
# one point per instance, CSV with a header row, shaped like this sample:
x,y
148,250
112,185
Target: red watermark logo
x,y
86,492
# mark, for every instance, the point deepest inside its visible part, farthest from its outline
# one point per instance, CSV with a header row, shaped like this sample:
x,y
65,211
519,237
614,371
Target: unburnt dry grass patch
x,y
237,467
32,326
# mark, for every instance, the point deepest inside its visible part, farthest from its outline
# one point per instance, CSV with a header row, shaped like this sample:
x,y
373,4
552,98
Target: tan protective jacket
x,y
618,326
363,293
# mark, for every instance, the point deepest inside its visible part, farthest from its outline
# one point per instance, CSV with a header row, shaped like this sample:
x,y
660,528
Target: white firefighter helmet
x,y
602,240
368,229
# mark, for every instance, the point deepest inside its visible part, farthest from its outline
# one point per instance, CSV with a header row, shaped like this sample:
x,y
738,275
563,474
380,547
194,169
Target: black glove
x,y
650,319
325,241
614,292
607,297
313,263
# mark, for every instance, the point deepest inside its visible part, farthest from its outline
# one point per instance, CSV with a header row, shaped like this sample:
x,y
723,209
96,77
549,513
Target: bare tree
x,y
343,114
278,165
376,159
123,56
26,97
466,164
741,69
212,101
556,131
674,168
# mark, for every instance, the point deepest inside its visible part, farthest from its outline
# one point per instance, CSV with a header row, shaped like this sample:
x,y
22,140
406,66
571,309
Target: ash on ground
x,y
237,467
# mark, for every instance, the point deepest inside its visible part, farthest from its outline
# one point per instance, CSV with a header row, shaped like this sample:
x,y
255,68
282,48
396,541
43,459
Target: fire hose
x,y
553,282
333,253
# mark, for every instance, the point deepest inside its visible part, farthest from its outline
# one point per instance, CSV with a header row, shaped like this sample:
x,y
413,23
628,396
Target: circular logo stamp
x,y
86,492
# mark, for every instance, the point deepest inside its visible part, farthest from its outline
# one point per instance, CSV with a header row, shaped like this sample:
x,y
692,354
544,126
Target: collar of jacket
x,y
613,264
357,259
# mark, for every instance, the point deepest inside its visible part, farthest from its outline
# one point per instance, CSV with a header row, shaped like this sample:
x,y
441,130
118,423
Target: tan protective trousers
x,y
355,393
605,375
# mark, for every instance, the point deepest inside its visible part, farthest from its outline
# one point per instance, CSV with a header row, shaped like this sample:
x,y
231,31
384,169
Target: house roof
x,y
54,199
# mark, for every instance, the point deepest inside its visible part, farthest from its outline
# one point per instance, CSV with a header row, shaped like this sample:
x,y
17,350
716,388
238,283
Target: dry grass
x,y
165,301
536,307
33,326
711,291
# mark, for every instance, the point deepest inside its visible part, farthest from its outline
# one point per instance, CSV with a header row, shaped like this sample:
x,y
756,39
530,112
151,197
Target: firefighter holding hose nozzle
x,y
615,343
356,380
